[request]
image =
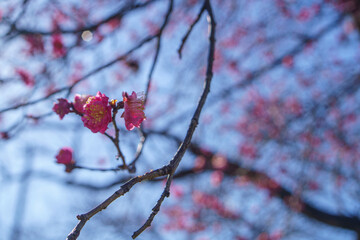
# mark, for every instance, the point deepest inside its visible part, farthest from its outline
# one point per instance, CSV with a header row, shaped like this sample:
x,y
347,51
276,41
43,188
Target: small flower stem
x,y
120,154
97,169
116,140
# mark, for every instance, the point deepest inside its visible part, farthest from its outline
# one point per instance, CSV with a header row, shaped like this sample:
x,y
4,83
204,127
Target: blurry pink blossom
x,y
216,178
4,135
58,46
134,110
80,101
288,61
248,150
25,77
35,44
65,157
293,106
62,107
97,113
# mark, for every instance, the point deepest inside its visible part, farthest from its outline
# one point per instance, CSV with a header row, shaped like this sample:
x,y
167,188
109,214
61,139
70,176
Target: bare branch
x,y
156,209
123,189
209,74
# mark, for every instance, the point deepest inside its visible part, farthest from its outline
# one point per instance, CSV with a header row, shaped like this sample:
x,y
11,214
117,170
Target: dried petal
x,y
134,110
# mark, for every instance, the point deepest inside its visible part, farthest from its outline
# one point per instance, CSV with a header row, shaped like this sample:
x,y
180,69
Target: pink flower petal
x,y
25,77
80,101
65,156
62,107
134,110
97,113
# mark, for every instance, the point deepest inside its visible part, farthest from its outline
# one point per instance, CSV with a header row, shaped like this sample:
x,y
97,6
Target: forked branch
x,y
169,169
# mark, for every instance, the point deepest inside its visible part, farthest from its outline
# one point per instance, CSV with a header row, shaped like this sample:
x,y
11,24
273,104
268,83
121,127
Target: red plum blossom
x,y
65,157
97,113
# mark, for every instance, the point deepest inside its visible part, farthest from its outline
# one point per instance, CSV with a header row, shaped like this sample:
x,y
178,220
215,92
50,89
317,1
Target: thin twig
x,y
141,144
116,143
94,71
156,209
120,58
140,147
117,138
21,14
158,46
98,169
117,15
298,48
14,107
190,29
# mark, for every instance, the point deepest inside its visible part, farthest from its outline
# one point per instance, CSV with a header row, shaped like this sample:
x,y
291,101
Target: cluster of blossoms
x,y
95,111
96,114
